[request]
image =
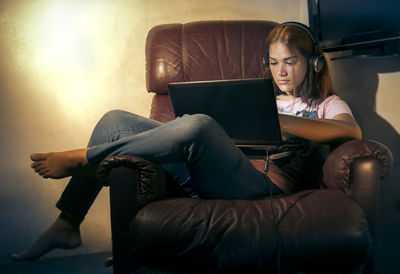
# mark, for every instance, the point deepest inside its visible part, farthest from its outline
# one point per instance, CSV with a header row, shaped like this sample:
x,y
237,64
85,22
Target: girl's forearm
x,y
320,130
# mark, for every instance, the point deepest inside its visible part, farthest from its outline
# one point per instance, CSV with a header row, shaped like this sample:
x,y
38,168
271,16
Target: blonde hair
x,y
315,85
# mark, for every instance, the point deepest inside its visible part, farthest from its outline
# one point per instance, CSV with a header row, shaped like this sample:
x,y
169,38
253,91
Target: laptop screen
x,y
246,108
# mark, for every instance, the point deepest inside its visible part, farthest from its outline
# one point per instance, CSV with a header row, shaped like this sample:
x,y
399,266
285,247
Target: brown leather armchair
x,y
328,227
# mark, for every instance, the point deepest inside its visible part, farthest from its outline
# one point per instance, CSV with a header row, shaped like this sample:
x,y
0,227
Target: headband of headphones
x,y
317,60
306,29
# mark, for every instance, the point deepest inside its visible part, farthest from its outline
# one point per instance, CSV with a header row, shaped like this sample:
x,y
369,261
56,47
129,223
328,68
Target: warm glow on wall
x,y
69,50
65,38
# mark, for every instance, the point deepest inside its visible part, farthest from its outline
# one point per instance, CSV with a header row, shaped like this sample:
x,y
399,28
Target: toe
x,y
38,156
18,257
38,169
35,165
43,172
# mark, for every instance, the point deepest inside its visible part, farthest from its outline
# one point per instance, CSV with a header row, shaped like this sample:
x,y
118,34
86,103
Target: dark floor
x,y
80,264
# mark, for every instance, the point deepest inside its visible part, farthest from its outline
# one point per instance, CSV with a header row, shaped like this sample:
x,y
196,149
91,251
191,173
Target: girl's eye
x,y
292,62
272,63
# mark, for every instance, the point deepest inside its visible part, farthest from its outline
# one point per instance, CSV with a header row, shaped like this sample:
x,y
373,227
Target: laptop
x,y
245,108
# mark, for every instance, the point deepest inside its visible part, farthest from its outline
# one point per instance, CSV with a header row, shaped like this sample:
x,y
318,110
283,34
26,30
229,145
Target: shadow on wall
x,y
356,81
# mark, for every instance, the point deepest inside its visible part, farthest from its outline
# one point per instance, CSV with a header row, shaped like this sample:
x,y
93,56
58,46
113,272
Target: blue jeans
x,y
190,148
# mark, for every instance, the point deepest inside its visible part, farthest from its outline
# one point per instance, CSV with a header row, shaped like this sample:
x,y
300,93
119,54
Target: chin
x,y
285,91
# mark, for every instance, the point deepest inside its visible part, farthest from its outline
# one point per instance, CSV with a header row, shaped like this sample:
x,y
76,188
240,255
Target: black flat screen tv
x,y
356,24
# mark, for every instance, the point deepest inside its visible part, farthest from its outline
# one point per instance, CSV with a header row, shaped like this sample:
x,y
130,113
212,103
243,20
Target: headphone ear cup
x,y
266,61
317,63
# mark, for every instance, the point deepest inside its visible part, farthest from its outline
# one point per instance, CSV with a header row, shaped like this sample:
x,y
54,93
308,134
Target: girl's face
x,y
287,68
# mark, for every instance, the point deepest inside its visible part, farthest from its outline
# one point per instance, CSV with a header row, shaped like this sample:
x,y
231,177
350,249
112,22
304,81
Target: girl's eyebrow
x,y
286,58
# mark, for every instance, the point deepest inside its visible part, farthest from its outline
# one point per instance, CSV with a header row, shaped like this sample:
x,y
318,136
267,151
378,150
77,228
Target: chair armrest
x,y
339,167
134,182
356,168
149,172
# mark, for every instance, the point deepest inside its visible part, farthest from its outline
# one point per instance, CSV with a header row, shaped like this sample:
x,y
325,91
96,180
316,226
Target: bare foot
x,y
62,234
59,165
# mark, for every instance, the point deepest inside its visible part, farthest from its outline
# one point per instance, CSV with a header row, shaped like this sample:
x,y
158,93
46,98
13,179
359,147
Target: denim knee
x,y
105,126
198,125
111,117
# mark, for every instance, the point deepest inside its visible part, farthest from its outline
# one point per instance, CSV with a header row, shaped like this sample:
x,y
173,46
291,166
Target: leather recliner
x,y
327,226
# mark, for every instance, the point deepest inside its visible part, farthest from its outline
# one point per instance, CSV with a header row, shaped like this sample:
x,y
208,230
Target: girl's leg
x,y
217,168
82,191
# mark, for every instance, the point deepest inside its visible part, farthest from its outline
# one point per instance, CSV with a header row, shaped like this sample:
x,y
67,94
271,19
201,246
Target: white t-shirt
x,y
286,172
327,109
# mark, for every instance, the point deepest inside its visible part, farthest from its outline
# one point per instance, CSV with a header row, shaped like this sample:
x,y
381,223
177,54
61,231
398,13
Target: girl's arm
x,y
341,127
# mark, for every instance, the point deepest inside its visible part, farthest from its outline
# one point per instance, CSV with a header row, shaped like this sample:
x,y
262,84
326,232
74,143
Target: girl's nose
x,y
281,70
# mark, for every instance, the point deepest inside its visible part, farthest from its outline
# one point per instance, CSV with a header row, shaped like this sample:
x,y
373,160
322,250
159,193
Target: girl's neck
x,y
284,97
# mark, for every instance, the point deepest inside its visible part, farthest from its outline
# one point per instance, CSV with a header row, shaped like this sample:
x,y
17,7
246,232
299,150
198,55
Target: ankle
x,y
80,155
74,222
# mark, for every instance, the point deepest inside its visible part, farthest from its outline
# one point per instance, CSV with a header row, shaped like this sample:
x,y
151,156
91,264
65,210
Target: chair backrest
x,y
205,50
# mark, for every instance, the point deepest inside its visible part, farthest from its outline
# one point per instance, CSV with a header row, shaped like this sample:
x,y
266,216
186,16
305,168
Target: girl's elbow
x,y
356,132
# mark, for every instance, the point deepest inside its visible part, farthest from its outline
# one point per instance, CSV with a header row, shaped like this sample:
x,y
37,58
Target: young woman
x,y
194,149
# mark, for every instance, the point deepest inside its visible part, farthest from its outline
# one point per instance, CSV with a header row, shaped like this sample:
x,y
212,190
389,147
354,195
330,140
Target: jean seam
x,y
110,138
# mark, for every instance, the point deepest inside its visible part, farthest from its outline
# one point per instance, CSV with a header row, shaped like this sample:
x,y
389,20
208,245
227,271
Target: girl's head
x,y
290,59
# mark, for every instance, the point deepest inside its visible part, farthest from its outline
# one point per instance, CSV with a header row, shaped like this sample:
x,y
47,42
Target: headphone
x,y
317,60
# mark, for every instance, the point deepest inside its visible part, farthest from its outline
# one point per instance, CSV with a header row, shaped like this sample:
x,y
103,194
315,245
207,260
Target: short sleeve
x,y
332,106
